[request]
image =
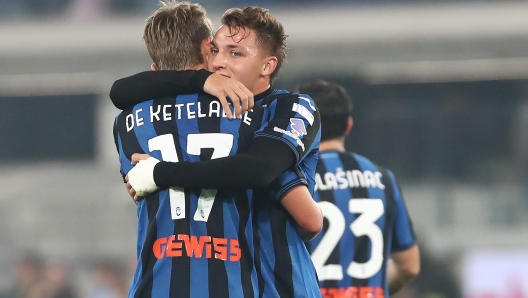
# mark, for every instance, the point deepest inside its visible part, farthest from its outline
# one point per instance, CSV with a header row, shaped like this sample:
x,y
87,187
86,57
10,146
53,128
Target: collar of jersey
x,y
264,94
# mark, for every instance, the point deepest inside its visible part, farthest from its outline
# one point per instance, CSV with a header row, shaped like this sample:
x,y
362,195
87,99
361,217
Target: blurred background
x,y
441,98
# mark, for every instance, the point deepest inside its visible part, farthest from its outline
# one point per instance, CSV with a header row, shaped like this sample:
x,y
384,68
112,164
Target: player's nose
x,y
219,61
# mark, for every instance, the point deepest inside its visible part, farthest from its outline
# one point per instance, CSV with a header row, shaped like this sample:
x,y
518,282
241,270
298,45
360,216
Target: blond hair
x,y
174,33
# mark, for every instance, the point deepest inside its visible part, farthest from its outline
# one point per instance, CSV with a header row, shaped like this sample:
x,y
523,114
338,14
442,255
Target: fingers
x,y
130,190
236,101
240,96
250,101
136,157
225,104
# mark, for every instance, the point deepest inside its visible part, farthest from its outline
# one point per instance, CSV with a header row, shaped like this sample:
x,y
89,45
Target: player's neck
x,y
261,85
333,145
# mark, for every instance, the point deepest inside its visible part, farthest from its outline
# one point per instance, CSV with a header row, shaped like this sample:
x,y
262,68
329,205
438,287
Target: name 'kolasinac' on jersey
x,y
348,179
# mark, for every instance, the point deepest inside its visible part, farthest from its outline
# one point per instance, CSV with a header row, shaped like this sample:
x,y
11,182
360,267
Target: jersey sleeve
x,y
403,236
286,181
146,85
258,167
294,120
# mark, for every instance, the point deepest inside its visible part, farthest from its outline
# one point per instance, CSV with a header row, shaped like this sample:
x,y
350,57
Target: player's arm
x,y
403,267
272,152
258,167
147,85
266,159
304,210
404,264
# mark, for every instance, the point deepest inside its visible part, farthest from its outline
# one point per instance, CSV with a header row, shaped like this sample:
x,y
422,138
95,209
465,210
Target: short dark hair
x,y
269,31
334,103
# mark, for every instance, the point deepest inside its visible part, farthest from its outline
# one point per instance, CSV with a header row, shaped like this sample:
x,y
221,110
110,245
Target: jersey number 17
x,y
221,144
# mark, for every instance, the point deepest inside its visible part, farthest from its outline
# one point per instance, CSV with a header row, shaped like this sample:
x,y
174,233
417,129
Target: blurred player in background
x,y
269,285
367,247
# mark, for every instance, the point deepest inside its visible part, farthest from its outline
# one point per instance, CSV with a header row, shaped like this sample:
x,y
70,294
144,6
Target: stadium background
x,y
441,98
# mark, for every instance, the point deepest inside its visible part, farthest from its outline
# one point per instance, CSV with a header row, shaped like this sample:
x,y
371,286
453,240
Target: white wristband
x,y
141,177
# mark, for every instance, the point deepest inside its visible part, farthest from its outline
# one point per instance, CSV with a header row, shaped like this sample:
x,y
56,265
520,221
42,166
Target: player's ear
x,y
350,124
270,64
153,67
206,48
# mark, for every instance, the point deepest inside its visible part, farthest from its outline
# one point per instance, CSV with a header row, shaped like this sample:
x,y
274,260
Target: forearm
x,y
147,85
258,167
396,282
403,267
304,210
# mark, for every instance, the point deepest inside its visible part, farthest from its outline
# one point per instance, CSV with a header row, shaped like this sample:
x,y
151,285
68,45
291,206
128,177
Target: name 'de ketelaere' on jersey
x,y
171,112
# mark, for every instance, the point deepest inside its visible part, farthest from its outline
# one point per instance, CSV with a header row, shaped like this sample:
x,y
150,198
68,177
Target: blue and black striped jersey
x,y
191,242
365,221
283,262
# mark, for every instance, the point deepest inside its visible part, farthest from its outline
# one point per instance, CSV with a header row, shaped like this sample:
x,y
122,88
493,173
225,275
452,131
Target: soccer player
x,y
182,239
367,247
295,122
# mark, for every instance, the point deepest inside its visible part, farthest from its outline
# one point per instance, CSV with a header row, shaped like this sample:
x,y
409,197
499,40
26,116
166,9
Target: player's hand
x,y
141,178
222,87
136,157
132,192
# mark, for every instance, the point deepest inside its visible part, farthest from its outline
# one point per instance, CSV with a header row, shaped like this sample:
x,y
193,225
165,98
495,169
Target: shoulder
x,y
285,95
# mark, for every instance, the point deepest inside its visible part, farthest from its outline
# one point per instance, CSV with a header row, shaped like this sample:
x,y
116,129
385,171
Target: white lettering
x,y
341,179
359,180
378,180
129,122
190,114
166,115
191,110
246,118
330,180
215,109
348,179
319,184
370,180
290,134
200,115
154,114
139,121
179,106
